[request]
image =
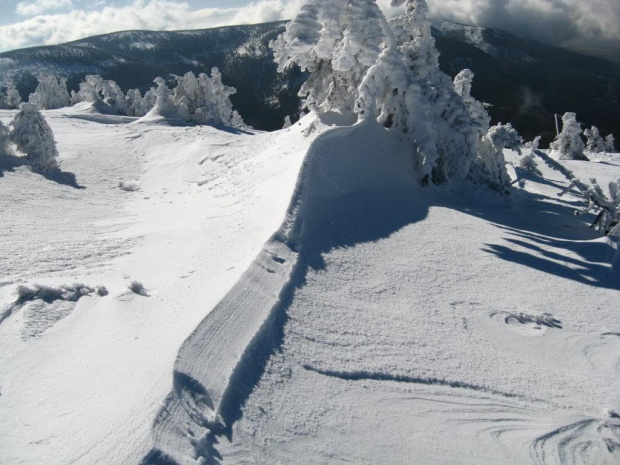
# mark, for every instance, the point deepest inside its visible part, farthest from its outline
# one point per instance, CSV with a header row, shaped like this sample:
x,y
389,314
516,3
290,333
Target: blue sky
x,y
26,23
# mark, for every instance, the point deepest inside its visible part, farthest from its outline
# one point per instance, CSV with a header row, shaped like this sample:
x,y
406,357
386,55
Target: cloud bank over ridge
x,y
594,23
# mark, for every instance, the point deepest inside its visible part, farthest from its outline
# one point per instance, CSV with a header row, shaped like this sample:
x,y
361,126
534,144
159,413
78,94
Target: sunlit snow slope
x,y
82,383
412,325
306,302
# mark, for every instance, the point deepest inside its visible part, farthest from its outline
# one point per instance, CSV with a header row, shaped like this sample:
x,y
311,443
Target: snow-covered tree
x,y
51,93
528,161
13,99
287,122
610,143
568,143
595,143
205,100
336,41
89,90
491,156
34,137
4,139
479,116
164,104
137,105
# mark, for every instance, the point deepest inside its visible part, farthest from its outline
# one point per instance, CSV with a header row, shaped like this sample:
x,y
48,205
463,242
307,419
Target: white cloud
x,y
555,21
41,6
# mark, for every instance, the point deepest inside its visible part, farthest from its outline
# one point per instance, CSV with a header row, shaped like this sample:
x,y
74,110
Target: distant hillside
x,y
526,82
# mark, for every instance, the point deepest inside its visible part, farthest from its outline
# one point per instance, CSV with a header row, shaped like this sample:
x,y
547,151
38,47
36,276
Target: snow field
x,y
87,387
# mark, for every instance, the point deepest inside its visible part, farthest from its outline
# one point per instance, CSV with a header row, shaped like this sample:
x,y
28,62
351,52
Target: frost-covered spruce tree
x,y
11,98
51,93
456,136
136,104
89,91
392,95
164,104
336,41
4,139
205,100
595,143
568,143
34,137
491,153
479,116
610,143
528,161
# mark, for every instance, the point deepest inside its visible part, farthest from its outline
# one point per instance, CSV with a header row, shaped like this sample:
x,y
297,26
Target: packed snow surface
x,y
297,297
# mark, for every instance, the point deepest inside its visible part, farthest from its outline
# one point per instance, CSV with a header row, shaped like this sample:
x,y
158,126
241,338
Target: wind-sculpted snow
x,y
219,365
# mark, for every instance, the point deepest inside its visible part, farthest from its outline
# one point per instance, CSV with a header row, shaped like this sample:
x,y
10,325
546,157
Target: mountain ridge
x,y
524,81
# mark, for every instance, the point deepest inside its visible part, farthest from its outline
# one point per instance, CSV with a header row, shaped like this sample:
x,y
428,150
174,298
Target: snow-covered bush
x,y
4,139
491,157
10,99
336,42
610,143
163,103
568,144
205,100
138,288
595,143
51,93
34,137
528,161
95,89
479,116
287,122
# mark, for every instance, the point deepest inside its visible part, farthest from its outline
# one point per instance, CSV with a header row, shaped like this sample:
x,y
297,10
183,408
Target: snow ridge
x,y
223,360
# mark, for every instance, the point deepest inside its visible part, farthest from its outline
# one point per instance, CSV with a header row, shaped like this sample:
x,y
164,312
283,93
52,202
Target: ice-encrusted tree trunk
x,y
34,137
610,143
336,41
528,161
51,93
569,143
595,142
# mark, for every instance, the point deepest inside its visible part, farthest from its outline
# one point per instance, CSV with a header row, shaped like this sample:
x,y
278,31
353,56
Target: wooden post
x,y
557,125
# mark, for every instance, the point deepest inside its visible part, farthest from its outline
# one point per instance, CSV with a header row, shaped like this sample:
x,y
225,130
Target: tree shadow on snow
x,y
9,163
548,237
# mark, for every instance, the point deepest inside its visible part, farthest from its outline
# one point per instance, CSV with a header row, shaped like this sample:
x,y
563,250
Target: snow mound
x,y
350,171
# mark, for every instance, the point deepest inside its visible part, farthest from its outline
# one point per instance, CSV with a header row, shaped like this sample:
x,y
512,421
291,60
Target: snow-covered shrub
x,y
4,139
479,115
89,90
336,42
491,156
128,186
287,122
568,144
595,143
610,143
34,137
205,100
95,89
164,104
51,93
138,288
528,161
49,294
10,99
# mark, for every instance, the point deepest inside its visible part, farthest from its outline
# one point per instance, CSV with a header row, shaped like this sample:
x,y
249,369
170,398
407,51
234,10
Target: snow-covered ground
x,y
307,302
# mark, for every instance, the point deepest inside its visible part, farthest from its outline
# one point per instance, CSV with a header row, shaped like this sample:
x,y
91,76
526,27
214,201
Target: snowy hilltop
x,y
390,278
